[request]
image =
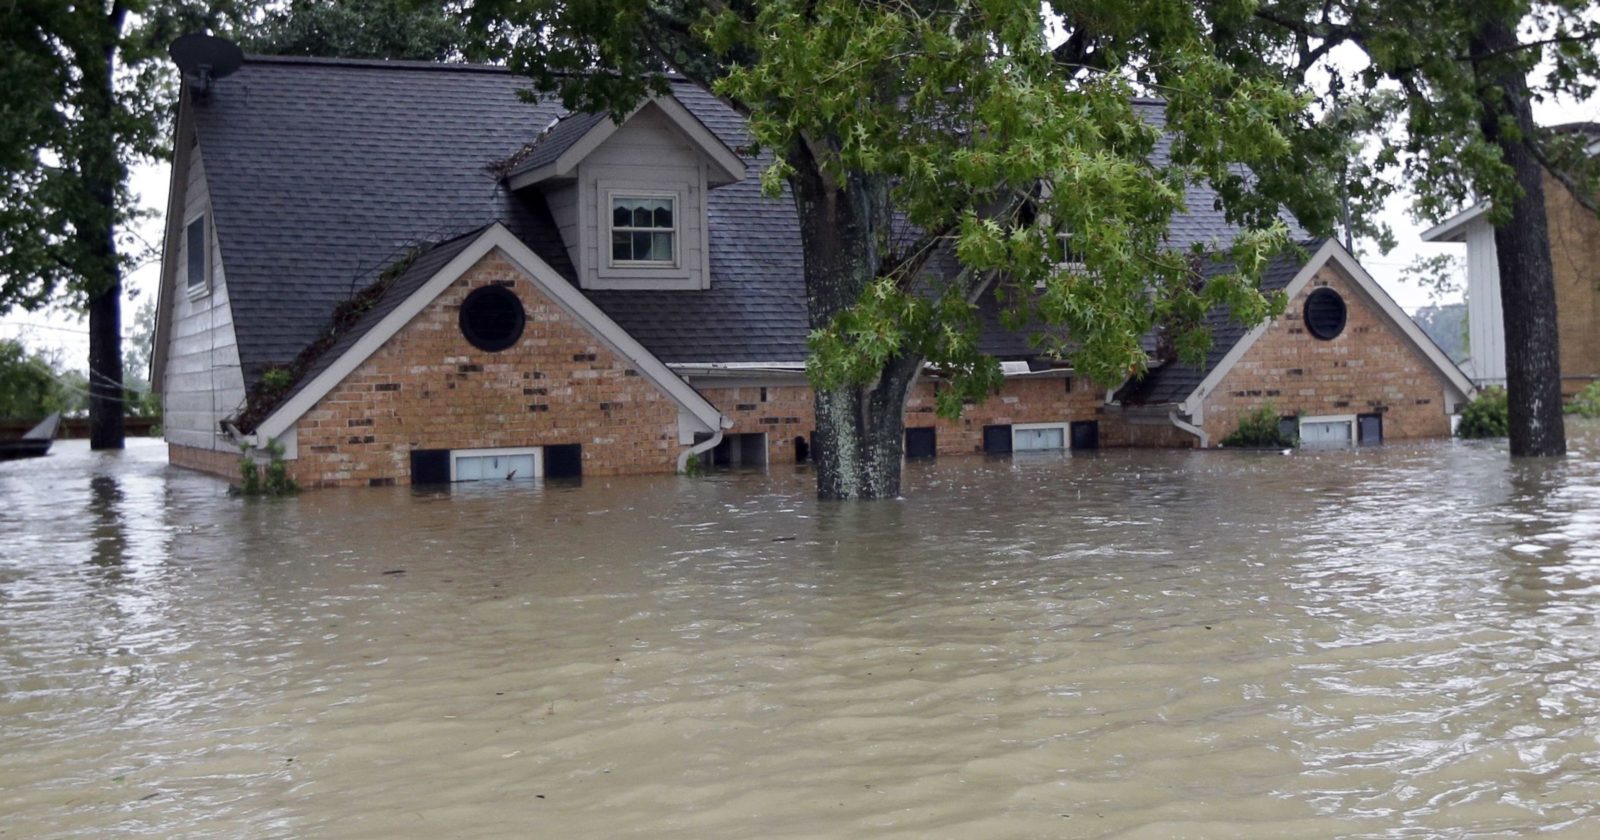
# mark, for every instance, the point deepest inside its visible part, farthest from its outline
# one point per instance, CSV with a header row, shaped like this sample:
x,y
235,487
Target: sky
x,y
68,334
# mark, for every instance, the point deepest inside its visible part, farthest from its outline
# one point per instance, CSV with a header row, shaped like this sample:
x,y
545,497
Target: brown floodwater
x,y
1393,642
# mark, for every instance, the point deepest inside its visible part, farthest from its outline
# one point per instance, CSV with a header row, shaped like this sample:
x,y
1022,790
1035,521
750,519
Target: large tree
x,y
87,91
1444,92
419,30
951,133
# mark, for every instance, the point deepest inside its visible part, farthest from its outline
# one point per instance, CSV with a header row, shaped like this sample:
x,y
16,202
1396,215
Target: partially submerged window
x,y
922,442
643,230
1038,437
496,464
1327,431
197,244
492,318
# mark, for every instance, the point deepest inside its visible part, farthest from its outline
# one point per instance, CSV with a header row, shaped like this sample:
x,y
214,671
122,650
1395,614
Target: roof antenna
x,y
205,58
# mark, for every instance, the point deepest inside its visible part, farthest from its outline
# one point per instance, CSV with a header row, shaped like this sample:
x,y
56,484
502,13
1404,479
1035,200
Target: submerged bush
x,y
1586,403
1261,428
1486,416
273,481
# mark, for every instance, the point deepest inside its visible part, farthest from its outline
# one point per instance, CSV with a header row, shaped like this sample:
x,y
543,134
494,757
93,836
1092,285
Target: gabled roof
x,y
1185,386
423,281
324,171
1454,229
557,152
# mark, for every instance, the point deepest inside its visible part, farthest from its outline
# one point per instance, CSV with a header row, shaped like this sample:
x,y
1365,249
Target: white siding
x,y
1486,325
563,202
202,383
648,155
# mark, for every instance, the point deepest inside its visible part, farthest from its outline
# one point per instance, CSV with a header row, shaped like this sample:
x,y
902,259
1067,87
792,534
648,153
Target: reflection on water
x,y
1394,642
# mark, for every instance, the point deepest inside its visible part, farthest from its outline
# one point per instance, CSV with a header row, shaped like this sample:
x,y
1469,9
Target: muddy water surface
x,y
1398,642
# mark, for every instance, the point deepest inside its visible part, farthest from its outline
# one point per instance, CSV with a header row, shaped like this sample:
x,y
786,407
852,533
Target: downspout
x,y
703,446
1189,427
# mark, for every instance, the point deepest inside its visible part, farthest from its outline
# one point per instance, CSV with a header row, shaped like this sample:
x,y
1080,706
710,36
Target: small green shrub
x,y
273,481
1586,403
277,378
1486,416
1260,428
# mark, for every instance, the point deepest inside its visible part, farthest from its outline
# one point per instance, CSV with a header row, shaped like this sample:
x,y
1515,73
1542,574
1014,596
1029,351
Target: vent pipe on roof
x,y
204,58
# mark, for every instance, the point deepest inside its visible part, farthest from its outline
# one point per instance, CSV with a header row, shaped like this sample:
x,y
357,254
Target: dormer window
x,y
644,230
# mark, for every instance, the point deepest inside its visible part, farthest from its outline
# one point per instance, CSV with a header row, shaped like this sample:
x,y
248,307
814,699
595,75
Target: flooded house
x,y
405,273
1575,260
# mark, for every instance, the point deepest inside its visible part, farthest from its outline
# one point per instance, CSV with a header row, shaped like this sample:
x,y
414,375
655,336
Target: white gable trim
x,y
726,167
496,237
1332,253
1454,229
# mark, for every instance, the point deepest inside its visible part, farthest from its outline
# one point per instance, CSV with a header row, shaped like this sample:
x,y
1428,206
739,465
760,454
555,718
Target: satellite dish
x,y
203,58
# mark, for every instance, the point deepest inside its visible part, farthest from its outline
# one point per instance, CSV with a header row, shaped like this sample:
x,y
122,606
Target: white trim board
x,y
1454,229
726,166
1332,253
545,278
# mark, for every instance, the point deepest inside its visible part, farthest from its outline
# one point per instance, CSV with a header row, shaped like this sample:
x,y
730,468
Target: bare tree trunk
x,y
860,428
1527,279
103,172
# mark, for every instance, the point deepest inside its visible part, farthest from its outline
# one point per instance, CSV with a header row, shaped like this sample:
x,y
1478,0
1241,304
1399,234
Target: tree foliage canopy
x,y
995,133
418,30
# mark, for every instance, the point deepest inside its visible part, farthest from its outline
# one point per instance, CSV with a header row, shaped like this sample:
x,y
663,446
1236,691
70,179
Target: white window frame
x,y
536,451
195,292
612,195
1348,419
1066,435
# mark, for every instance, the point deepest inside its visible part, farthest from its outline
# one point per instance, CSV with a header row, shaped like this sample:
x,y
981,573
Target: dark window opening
x,y
197,262
1288,427
430,466
1085,434
1069,384
802,450
997,440
922,442
1325,314
746,450
492,318
763,395
563,461
1369,429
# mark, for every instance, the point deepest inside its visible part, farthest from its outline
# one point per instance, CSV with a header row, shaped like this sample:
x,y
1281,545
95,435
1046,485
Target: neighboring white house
x,y
1485,323
1575,259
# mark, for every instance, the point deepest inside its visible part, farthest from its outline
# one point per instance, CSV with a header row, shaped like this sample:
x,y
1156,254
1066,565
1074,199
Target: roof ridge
x,y
377,63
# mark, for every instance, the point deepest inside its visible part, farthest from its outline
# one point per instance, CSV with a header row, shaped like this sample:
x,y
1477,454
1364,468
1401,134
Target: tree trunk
x,y
1522,247
103,173
860,428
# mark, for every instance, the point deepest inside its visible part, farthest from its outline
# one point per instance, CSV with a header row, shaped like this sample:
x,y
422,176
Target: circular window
x,y
492,318
1325,314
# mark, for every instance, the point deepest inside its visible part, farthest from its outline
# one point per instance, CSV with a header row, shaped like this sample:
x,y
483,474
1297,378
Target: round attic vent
x,y
1325,314
492,318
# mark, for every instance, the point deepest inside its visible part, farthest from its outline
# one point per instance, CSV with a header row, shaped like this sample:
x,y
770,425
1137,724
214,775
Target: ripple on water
x,y
1382,643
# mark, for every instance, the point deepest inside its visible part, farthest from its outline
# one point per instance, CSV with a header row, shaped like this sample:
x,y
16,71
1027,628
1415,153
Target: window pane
x,y
197,253
620,215
641,246
661,246
663,217
621,246
469,469
641,216
520,466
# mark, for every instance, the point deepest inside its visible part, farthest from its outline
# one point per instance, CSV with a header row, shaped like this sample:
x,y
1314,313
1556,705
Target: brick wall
x,y
427,388
223,464
1575,256
1368,368
788,412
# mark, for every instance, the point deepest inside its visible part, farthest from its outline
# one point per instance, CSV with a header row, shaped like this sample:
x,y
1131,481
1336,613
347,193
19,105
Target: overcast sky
x,y
68,333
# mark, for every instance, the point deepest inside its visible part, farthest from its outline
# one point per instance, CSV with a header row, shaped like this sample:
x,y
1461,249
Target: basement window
x,y
644,230
1038,437
1332,431
523,464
